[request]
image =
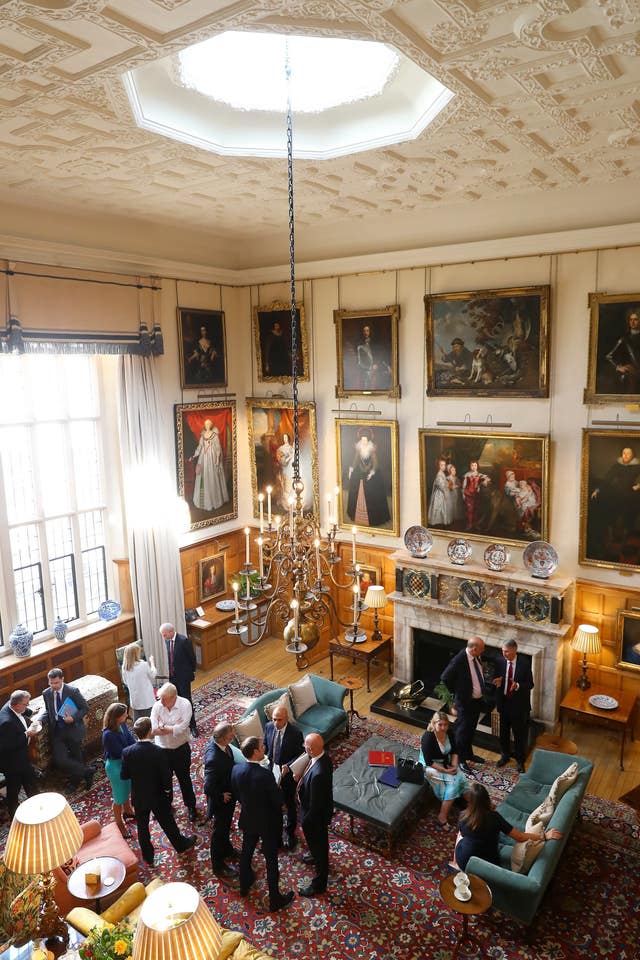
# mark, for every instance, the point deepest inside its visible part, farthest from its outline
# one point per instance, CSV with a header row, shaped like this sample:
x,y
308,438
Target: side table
x,y
576,705
481,900
352,683
366,651
112,874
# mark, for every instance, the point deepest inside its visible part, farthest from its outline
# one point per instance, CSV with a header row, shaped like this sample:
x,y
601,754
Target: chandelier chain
x,y
292,273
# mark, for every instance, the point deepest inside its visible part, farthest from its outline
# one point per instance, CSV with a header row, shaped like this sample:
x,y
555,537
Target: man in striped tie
x,y
514,682
283,742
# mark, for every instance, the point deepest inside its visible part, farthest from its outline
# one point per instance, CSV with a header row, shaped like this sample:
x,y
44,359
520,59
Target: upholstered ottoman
x,y
98,693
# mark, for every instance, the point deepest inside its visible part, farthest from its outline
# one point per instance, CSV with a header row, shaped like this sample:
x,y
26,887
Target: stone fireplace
x,y
498,604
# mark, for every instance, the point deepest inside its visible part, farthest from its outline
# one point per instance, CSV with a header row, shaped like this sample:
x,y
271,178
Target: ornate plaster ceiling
x,y
545,125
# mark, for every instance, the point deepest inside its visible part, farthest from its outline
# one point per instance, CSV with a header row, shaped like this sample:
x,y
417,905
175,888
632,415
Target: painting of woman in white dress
x,y
205,441
284,462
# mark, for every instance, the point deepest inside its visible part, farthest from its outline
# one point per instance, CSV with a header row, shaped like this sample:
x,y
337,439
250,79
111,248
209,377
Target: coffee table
x,y
357,792
112,873
481,899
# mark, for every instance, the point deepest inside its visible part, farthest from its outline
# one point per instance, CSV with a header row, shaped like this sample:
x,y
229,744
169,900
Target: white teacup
x,y
463,892
461,880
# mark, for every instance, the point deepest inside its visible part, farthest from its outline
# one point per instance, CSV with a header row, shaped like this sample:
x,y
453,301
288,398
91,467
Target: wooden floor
x,y
268,661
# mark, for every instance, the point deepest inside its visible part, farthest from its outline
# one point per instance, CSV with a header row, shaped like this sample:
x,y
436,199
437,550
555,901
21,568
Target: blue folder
x,y
389,777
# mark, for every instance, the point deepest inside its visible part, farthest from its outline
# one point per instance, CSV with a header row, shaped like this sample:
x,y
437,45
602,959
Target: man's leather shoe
x,y
502,761
308,858
150,860
188,843
521,768
290,843
477,759
193,814
222,870
464,766
245,890
283,901
310,891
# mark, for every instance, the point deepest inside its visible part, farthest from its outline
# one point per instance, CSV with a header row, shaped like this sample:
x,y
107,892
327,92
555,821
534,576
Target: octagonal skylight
x,y
228,94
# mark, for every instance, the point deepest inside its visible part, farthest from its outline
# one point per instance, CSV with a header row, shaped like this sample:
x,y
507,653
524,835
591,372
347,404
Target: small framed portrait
x,y
370,576
212,576
614,349
271,454
485,486
610,499
368,475
367,352
202,345
488,343
206,461
274,351
628,639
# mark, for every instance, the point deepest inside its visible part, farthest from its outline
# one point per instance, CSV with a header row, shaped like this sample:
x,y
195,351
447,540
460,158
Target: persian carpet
x,y
390,909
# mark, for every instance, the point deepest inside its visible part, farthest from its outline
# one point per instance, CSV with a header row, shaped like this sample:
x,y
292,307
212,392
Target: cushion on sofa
x,y
526,852
541,814
321,719
282,701
123,906
84,920
150,887
303,695
230,940
250,726
562,783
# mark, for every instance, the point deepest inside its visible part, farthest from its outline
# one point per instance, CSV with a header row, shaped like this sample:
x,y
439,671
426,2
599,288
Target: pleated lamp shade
x,y
175,924
376,597
44,834
587,639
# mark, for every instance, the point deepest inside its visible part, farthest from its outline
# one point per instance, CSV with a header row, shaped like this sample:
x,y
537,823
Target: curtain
x,y
150,505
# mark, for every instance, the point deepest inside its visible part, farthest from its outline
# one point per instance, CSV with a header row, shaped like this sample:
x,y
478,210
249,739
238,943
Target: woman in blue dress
x,y
439,755
115,737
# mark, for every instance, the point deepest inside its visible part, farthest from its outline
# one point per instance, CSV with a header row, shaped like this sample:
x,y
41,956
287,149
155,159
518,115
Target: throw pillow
x,y
249,726
303,695
541,814
562,783
525,853
282,701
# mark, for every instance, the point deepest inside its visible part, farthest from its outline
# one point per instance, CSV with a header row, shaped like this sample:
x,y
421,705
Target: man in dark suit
x,y
283,743
146,765
15,734
260,819
67,730
218,764
464,676
181,660
514,683
315,792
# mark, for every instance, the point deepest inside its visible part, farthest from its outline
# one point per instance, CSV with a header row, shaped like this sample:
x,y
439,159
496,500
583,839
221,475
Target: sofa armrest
x,y
90,830
328,691
126,902
516,894
546,765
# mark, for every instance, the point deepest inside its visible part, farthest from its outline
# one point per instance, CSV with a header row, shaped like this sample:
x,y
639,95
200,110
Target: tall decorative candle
x,y
317,546
236,586
269,489
261,502
294,604
329,513
356,592
246,537
354,530
337,513
260,557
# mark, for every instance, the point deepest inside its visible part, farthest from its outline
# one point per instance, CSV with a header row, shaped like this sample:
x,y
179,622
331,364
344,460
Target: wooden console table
x,y
576,705
366,651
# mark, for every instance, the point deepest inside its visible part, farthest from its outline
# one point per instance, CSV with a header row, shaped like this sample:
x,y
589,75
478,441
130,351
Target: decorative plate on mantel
x,y
540,559
418,541
459,550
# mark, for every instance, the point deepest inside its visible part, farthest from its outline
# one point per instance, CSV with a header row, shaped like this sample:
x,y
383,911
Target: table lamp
x,y
44,834
376,598
586,640
175,924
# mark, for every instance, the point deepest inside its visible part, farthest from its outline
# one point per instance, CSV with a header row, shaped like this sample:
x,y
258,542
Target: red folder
x,y
381,758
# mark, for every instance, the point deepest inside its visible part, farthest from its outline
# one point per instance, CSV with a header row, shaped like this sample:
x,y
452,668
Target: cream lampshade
x,y
376,598
44,834
586,640
176,924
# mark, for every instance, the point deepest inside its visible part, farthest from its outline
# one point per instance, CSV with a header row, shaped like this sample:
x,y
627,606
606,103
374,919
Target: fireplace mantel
x,y
470,600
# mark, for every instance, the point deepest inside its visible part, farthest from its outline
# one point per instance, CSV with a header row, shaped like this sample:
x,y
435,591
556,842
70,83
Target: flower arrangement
x,y
108,943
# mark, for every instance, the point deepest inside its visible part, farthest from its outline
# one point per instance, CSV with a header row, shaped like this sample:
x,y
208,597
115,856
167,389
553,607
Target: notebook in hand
x,y
381,758
389,777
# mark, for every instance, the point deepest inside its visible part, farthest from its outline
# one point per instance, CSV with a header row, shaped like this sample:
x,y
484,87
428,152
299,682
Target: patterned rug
x,y
381,909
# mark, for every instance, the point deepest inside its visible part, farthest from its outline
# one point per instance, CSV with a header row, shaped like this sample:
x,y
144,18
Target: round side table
x,y
112,874
481,899
352,683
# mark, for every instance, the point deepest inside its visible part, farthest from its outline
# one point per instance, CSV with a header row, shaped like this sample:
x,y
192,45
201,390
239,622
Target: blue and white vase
x,y
20,641
60,630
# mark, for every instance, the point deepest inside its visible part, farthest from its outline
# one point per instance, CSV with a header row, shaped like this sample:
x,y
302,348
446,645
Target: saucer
x,y
459,895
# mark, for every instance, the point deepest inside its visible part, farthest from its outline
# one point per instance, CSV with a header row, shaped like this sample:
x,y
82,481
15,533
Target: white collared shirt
x,y
477,690
20,717
178,717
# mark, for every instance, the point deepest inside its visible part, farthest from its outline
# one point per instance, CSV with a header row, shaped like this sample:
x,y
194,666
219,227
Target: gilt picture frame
x,y
202,345
485,486
206,461
370,576
270,428
610,499
272,335
367,352
488,343
614,349
212,576
628,640
368,475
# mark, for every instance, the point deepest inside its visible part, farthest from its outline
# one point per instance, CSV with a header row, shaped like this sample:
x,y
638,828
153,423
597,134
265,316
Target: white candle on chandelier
x,y
246,538
329,513
269,489
236,586
260,562
261,503
356,596
248,593
317,546
336,519
294,607
354,531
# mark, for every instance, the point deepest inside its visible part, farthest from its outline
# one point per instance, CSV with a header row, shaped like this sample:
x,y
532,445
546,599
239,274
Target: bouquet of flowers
x,y
108,943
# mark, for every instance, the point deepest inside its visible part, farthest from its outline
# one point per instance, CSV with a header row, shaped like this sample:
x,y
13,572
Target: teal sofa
x,y
327,717
516,894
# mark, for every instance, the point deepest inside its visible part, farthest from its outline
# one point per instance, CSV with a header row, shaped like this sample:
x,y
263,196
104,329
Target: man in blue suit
x,y
514,683
218,764
315,792
464,675
66,728
260,819
283,743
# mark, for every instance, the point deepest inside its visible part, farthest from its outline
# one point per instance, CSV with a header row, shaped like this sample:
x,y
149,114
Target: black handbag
x,y
409,771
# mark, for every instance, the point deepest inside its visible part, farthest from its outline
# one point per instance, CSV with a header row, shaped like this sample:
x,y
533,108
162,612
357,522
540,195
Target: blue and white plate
x,y
603,702
496,556
418,541
459,550
225,605
540,559
109,610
